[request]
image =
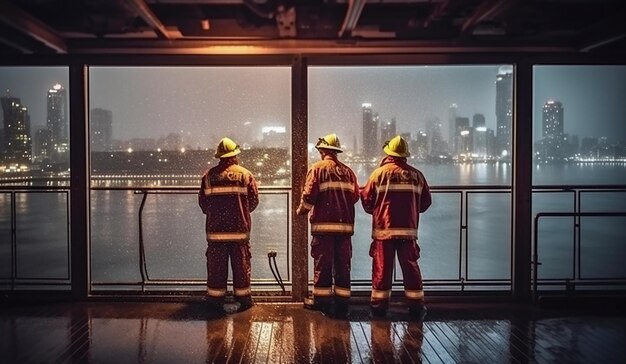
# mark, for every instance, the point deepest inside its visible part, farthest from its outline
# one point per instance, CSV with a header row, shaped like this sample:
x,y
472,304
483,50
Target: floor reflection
x,y
287,333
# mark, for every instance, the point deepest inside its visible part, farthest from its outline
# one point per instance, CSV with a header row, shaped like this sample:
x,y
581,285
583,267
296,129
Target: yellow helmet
x,y
330,141
397,147
227,148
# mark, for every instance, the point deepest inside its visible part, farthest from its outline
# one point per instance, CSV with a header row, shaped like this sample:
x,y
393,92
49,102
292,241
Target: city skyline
x,y
247,102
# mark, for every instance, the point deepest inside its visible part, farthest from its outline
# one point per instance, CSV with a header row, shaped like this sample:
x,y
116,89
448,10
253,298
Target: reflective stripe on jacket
x,y
330,192
394,195
227,195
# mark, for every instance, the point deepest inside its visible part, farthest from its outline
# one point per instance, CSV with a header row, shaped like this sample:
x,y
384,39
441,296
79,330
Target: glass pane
x,y
439,242
555,239
603,251
361,240
603,201
489,236
42,235
580,139
270,232
160,125
5,235
34,147
34,151
452,116
155,127
457,120
115,236
579,133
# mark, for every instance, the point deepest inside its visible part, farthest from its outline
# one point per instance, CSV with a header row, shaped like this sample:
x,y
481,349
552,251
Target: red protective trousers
x,y
383,253
217,254
331,253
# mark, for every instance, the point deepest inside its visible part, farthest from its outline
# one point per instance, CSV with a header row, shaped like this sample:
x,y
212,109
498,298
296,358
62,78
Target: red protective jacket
x,y
227,195
330,192
395,194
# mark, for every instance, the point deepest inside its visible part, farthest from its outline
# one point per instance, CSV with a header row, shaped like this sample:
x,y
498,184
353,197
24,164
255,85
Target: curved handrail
x,y
535,261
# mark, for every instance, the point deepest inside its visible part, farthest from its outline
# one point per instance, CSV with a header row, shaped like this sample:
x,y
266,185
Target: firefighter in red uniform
x,y
395,195
227,196
330,193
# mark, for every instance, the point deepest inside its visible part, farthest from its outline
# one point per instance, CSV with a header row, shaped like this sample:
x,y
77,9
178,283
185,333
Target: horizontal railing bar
x,y
35,188
41,283
176,188
259,283
578,187
583,282
579,214
537,188
165,282
195,192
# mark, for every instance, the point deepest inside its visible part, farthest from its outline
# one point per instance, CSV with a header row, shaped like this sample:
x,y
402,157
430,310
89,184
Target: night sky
x,y
207,103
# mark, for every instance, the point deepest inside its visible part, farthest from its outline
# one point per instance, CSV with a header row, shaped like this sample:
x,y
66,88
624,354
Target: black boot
x,y
418,312
244,305
312,304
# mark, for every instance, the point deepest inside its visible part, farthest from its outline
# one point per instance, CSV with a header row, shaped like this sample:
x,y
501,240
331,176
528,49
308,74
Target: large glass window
x,y
457,120
34,176
579,164
153,133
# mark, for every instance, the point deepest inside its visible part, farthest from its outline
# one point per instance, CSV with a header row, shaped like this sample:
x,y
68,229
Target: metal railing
x,y
462,281
15,279
146,280
576,279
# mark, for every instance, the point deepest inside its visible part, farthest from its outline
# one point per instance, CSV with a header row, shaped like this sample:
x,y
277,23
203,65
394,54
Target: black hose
x,y
271,256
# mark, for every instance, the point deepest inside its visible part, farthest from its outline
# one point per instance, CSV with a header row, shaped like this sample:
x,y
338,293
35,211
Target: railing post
x,y
13,240
522,181
299,162
79,182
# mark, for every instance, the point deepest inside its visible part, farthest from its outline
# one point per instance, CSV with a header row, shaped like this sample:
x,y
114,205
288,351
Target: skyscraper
x,y
552,119
478,134
101,130
435,140
57,122
452,127
370,132
504,111
553,141
478,120
17,139
388,130
41,146
462,136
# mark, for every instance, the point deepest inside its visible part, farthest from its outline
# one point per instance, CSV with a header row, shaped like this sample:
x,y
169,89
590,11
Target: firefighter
x,y
395,195
330,192
227,195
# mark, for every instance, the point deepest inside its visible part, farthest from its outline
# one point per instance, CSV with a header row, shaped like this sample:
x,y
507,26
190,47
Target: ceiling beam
x,y
606,31
17,46
289,46
436,13
143,10
33,27
488,10
355,7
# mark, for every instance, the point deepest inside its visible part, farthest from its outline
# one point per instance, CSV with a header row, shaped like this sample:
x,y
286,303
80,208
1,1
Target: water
x,y
173,228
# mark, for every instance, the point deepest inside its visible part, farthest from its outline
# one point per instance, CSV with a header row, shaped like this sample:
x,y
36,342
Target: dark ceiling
x,y
197,26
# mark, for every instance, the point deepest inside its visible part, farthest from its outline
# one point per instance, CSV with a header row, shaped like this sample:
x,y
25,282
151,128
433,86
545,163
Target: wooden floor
x,y
97,332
